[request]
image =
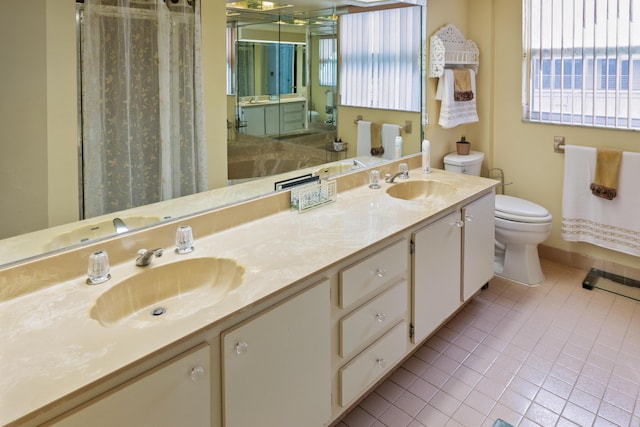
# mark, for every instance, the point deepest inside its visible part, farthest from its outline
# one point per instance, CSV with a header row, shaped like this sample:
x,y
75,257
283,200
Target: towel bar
x,y
558,144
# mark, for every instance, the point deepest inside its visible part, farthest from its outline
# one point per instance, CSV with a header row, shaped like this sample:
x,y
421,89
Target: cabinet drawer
x,y
372,273
372,318
292,107
372,363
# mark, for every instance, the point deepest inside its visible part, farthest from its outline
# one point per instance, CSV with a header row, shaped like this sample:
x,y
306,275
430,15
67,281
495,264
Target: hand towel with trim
x,y
388,134
462,85
611,224
605,181
454,113
363,147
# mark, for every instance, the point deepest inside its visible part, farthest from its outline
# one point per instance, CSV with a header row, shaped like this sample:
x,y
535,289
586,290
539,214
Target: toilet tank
x,y
464,163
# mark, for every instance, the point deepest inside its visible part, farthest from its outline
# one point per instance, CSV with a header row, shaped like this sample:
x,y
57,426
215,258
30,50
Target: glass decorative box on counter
x,y
309,196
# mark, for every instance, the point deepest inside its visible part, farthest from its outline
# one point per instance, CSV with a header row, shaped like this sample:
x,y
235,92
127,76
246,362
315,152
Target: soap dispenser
x,y
426,156
398,147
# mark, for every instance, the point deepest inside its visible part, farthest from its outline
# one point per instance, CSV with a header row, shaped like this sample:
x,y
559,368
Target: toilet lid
x,y
515,209
455,159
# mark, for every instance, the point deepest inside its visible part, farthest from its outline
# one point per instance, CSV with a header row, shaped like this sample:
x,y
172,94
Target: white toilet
x,y
521,226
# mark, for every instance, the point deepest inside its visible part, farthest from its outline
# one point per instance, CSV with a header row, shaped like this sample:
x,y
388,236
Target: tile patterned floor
x,y
553,355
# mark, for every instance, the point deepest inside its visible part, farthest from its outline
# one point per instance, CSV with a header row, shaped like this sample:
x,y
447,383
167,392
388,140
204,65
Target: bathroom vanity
x,y
330,302
264,117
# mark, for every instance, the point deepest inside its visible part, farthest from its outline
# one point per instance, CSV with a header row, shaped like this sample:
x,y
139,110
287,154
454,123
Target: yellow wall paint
x,y
458,13
23,183
62,104
214,76
482,12
525,150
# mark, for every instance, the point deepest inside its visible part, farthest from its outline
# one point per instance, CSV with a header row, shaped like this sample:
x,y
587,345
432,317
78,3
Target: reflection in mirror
x,y
285,83
39,159
269,68
142,135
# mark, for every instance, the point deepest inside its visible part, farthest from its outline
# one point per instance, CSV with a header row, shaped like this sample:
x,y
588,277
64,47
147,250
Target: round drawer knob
x,y
381,362
380,272
241,348
197,373
459,223
469,218
381,317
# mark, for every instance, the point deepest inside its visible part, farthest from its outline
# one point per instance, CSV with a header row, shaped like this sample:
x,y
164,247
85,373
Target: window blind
x,y
582,62
380,59
327,61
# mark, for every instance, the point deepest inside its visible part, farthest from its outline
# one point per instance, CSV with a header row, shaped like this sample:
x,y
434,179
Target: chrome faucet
x,y
390,178
357,164
120,226
145,256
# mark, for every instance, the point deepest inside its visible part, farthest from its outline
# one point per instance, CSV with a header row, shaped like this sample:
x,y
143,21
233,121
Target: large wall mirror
x,y
283,97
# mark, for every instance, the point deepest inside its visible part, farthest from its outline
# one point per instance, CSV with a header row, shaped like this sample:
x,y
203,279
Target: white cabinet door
x,y
277,365
436,274
478,244
177,393
272,119
254,116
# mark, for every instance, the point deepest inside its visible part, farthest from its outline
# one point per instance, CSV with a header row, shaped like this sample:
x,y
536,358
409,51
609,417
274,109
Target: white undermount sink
x,y
161,293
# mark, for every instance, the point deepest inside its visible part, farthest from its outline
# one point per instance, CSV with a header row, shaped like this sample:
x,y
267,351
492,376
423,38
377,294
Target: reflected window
x,y
380,53
327,61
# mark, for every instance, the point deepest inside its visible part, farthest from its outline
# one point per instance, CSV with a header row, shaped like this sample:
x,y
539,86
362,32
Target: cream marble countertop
x,y
52,348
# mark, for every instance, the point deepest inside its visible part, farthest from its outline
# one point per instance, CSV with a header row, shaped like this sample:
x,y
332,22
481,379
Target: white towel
x,y
454,113
611,224
364,138
388,135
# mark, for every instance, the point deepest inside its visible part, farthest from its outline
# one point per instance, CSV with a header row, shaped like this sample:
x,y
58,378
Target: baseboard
x,y
584,262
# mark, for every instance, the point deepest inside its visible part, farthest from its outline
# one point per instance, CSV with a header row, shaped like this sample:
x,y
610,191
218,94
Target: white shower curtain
x,y
143,135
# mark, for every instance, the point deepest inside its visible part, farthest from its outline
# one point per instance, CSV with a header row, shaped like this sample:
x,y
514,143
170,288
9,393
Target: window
x,y
582,62
327,61
380,59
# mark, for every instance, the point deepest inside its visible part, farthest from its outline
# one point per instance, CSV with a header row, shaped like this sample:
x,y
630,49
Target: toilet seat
x,y
520,210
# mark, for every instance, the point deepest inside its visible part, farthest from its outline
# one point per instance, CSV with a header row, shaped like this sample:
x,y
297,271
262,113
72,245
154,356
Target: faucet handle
x,y
98,269
184,239
403,170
